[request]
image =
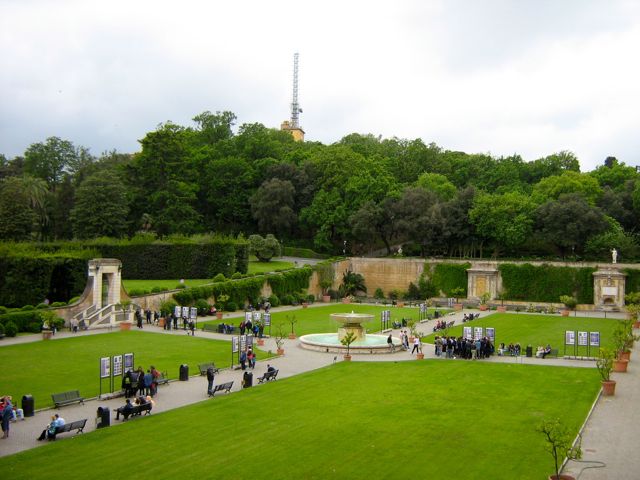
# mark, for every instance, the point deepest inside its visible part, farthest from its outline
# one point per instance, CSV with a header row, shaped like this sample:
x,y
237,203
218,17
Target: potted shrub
x,y
292,320
484,298
456,293
221,302
623,339
352,283
347,340
569,302
605,365
560,445
325,285
279,339
632,311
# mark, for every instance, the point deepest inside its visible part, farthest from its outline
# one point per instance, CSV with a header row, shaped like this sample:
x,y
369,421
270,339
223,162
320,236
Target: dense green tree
x,y
505,219
614,174
50,160
568,222
16,213
551,188
264,248
101,207
175,210
273,207
212,128
374,221
407,159
438,184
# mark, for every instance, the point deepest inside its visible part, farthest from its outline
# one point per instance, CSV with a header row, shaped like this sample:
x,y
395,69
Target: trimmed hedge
x,y
301,253
632,283
290,282
29,321
546,283
30,277
447,277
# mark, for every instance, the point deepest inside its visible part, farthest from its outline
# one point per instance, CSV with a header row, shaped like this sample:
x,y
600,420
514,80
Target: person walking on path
x,y
416,345
211,375
7,413
392,347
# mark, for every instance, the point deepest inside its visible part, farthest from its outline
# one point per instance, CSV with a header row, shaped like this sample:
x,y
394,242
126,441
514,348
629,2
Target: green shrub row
x,y
448,277
546,283
29,321
301,253
239,292
290,282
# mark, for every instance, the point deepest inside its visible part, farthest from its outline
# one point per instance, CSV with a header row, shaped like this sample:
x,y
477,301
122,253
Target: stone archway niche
x,y
483,279
608,288
107,281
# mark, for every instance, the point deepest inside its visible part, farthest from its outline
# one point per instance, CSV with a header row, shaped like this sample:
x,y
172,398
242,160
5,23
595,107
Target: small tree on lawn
x,y
279,336
348,339
292,320
560,443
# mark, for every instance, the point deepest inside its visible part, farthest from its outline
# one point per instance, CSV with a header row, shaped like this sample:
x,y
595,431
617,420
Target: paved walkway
x,y
610,436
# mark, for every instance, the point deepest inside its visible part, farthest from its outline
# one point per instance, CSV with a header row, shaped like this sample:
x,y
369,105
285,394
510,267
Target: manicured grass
x,y
318,319
46,367
254,268
164,284
462,420
539,329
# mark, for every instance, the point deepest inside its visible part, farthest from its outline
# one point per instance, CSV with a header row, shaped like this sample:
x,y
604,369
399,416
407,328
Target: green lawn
x,y
360,420
318,319
254,267
539,329
43,368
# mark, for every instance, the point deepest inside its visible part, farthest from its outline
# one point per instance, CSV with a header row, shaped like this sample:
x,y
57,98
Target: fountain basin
x,y
330,343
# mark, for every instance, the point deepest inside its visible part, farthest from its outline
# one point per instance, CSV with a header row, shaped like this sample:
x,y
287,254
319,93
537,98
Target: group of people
x,y
460,347
128,408
542,352
511,349
248,358
171,322
52,429
467,317
257,328
440,325
137,381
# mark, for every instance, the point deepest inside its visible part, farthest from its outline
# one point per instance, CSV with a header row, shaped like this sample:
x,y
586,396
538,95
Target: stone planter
x,y
420,356
608,388
483,308
47,334
326,298
501,309
125,326
280,351
346,300
565,313
347,358
620,366
292,336
458,306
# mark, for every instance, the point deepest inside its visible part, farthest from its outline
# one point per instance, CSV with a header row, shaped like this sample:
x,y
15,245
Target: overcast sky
x,y
531,77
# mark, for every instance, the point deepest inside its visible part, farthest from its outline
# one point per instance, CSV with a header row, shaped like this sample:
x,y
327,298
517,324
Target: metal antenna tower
x,y
295,108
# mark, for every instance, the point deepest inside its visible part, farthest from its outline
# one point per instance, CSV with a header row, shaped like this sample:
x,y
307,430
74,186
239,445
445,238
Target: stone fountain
x,y
349,322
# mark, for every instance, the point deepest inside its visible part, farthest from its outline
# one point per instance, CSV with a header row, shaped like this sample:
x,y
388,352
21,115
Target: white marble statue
x,y
614,256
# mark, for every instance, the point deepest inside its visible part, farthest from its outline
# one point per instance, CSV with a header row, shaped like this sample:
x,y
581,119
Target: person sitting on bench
x,y
124,410
547,350
51,430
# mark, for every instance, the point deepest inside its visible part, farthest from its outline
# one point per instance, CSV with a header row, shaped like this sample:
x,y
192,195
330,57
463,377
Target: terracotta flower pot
x,y
125,326
292,336
219,315
347,358
261,342
608,388
501,309
458,306
346,300
305,305
562,476
420,356
326,298
622,355
620,365
400,304
47,334
565,313
483,308
280,351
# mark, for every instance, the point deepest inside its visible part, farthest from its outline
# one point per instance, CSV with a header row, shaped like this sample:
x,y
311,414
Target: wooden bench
x,y
67,398
78,425
203,367
226,387
268,376
136,411
553,353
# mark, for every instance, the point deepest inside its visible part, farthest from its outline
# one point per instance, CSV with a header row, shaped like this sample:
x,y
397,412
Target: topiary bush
x,y
73,300
58,304
236,276
202,306
157,289
28,308
40,306
287,299
231,306
167,307
274,300
10,329
219,278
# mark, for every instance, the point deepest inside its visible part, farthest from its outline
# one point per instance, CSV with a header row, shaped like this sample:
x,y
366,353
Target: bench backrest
x,y
65,396
223,386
